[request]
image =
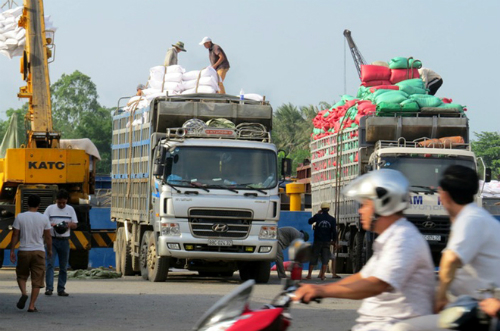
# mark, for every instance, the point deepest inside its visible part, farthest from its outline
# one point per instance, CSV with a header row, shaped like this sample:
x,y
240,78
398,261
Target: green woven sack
x,y
391,97
388,107
425,100
452,106
414,82
362,91
400,62
338,104
409,106
412,90
221,123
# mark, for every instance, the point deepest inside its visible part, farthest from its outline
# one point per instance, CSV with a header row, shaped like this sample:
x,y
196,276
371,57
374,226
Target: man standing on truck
x,y
471,259
325,235
218,60
171,57
397,283
30,228
63,216
286,235
431,79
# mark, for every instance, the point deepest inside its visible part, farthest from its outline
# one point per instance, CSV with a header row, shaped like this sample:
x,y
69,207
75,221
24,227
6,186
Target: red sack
x,y
398,75
383,87
372,72
365,107
376,82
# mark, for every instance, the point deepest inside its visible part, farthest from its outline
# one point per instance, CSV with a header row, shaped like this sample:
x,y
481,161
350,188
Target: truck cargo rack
x,y
402,142
245,133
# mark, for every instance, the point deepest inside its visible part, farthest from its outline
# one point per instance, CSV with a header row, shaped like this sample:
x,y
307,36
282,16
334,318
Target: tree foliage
x,y
487,146
292,128
76,113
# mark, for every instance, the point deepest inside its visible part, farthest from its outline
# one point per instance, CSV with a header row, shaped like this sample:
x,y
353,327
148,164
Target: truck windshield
x,y
424,171
222,167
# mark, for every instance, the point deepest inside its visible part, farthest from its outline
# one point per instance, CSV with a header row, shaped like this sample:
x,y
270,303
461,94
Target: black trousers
x,y
434,85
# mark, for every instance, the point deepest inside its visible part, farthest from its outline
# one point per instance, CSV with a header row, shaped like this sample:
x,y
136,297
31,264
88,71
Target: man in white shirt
x,y
30,228
397,283
58,213
471,259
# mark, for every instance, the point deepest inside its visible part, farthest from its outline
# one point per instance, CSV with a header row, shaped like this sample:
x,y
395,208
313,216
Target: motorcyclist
x,y
471,259
397,282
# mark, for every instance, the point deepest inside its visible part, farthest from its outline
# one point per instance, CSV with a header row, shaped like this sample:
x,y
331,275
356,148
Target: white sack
x,y
190,75
253,96
158,72
204,81
201,89
159,85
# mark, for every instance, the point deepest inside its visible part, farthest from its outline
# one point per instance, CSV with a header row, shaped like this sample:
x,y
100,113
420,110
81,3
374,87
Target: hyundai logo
x,y
220,227
429,224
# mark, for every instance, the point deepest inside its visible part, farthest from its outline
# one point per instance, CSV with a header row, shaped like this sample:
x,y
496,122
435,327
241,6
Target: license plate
x,y
432,237
220,242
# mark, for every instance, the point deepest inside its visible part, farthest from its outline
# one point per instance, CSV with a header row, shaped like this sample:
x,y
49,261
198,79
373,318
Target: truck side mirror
x,y
487,175
158,167
286,167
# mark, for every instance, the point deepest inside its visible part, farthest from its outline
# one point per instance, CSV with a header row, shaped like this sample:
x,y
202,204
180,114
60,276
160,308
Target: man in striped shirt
x,y
58,213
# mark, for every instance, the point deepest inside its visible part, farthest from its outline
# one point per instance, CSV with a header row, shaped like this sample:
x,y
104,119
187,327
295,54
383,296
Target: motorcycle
x,y
232,312
465,314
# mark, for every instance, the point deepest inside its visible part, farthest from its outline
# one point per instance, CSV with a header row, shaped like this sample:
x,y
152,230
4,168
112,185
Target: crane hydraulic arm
x,y
34,67
356,54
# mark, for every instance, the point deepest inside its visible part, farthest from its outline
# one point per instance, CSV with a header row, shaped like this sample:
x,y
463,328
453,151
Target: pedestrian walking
x,y
62,218
218,60
171,57
29,230
286,235
325,235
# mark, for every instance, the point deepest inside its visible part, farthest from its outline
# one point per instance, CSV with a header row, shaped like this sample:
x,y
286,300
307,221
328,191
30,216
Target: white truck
x,y
400,143
190,196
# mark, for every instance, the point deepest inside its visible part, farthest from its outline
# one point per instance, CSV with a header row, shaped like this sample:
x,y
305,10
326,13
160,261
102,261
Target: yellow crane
x,y
45,164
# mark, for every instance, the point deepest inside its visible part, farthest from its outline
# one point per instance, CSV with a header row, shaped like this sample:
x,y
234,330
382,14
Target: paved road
x,y
130,303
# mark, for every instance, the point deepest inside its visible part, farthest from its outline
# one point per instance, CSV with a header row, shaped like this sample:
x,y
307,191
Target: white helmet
x,y
389,190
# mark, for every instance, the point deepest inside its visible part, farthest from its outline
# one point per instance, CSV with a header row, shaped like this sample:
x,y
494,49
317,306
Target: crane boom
x,y
34,66
356,54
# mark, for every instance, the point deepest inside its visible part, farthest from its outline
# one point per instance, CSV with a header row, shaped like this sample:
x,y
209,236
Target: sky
x,y
289,51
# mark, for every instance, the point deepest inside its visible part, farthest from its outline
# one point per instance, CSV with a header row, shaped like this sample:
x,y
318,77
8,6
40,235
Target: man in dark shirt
x,y
218,60
325,234
286,235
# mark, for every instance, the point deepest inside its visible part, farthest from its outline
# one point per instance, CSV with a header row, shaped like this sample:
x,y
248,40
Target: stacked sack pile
x,y
385,89
13,37
174,80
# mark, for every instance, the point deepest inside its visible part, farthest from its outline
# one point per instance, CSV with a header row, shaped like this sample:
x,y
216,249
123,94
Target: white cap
x,y
206,39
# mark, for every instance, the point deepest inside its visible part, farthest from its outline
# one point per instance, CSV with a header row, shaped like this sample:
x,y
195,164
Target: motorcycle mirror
x,y
300,251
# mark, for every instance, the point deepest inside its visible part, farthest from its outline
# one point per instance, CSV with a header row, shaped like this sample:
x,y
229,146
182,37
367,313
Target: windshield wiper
x,y
192,184
173,186
427,189
255,189
224,188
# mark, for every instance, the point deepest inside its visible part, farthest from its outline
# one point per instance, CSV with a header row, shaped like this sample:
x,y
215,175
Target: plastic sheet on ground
x,y
98,273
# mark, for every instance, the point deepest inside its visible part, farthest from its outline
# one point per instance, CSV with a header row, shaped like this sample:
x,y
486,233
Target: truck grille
x,y
434,226
231,249
212,223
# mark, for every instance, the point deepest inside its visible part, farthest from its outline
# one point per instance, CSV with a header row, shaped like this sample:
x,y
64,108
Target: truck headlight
x,y
268,232
170,229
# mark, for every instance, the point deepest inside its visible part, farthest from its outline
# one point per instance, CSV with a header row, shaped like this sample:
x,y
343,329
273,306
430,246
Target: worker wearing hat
x,y
325,235
218,60
171,57
140,87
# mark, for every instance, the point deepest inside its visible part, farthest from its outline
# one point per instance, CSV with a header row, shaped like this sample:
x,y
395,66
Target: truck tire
x,y
157,265
143,254
260,271
125,256
118,252
357,252
79,259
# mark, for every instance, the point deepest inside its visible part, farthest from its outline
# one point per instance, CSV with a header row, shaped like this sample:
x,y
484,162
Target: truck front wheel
x,y
143,255
157,265
258,270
